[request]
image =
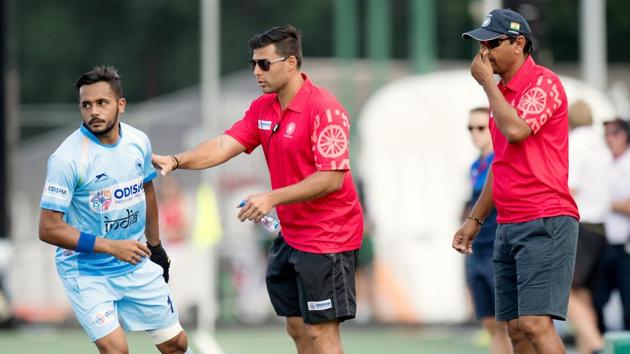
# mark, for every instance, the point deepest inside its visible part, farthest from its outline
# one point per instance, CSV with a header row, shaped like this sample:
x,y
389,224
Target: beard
x,y
104,130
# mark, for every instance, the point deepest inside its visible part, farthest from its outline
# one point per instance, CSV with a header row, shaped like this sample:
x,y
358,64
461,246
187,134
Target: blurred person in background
x,y
479,270
589,164
536,238
304,134
174,210
615,264
99,208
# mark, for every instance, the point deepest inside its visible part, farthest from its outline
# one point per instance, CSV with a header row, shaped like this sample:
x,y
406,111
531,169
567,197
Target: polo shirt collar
x,y
299,101
522,75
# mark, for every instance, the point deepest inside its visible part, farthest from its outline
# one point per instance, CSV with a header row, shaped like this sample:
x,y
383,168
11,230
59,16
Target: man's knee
x,y
322,330
175,345
295,327
113,343
112,348
535,326
515,332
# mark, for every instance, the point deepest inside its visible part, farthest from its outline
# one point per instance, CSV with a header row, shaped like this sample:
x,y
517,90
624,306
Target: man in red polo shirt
x,y
304,134
536,239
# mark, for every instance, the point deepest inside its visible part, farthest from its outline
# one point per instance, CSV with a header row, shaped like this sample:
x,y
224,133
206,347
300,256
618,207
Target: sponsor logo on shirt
x,y
121,223
319,305
264,124
118,197
56,192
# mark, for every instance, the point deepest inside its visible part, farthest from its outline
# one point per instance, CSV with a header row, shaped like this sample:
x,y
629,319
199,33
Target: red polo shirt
x,y
310,135
530,178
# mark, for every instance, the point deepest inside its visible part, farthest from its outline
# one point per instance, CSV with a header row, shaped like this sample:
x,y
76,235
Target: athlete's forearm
x,y
55,231
485,203
317,185
152,230
512,127
210,153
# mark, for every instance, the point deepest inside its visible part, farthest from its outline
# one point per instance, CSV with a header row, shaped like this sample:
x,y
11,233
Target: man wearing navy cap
x,y
536,237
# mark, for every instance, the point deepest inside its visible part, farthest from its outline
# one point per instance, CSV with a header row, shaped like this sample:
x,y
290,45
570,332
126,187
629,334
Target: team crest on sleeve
x,y
139,166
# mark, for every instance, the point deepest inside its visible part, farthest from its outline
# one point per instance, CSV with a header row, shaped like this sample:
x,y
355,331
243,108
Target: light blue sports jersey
x,y
100,190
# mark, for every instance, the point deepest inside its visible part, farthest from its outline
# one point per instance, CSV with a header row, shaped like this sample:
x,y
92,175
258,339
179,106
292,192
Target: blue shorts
x,y
533,267
139,300
480,280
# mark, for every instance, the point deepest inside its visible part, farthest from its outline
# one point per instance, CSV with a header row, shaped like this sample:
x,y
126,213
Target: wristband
x,y
176,162
86,243
477,220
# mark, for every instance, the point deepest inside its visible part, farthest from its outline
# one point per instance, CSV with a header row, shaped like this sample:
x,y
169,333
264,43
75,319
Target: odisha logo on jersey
x,y
57,189
101,200
128,191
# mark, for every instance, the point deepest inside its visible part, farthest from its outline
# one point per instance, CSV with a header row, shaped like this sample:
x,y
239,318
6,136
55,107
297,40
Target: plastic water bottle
x,y
269,222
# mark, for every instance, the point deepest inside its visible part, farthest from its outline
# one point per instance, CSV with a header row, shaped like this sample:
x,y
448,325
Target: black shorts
x,y
591,244
316,287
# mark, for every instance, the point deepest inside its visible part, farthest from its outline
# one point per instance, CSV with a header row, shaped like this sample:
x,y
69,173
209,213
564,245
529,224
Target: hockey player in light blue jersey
x,y
99,207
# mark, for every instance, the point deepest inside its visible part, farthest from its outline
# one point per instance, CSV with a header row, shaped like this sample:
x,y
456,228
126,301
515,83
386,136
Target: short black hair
x,y
100,73
286,38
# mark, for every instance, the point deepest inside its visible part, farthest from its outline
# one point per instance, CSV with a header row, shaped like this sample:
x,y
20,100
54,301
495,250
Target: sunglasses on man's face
x,y
493,43
264,64
612,132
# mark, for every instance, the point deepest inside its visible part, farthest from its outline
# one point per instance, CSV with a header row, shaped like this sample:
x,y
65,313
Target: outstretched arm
x,y
54,230
205,155
317,185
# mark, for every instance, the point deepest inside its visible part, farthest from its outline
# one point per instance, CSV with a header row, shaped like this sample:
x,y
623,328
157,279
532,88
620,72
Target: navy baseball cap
x,y
500,22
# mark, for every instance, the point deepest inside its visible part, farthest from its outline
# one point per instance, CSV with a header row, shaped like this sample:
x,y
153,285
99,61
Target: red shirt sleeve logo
x,y
330,140
539,103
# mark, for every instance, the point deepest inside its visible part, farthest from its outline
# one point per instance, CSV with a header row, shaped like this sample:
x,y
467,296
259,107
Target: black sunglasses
x,y
480,128
493,43
264,64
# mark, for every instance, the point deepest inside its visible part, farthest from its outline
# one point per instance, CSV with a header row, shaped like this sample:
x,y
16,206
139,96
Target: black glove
x,y
159,257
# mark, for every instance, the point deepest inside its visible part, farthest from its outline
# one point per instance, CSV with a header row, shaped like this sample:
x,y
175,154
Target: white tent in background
x,y
414,158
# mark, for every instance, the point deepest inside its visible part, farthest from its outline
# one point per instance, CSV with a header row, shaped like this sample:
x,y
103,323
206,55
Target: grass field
x,y
262,340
